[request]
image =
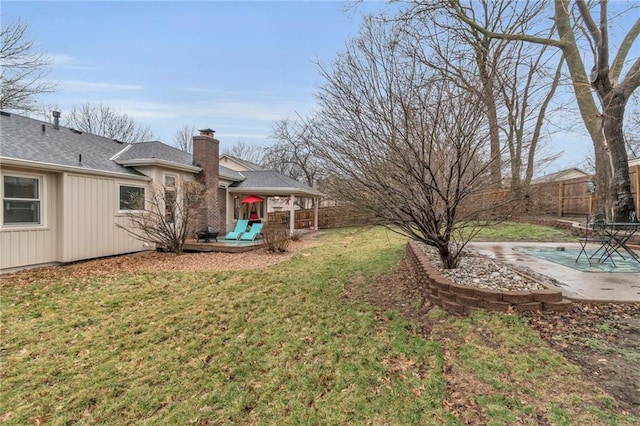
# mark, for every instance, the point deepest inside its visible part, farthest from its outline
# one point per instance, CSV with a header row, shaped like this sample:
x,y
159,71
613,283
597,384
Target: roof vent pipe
x,y
56,119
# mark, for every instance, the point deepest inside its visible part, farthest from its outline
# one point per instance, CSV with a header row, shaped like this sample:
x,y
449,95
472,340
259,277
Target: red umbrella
x,y
251,199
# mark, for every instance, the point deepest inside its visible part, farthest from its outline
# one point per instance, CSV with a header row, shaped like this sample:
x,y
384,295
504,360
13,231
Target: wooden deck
x,y
223,246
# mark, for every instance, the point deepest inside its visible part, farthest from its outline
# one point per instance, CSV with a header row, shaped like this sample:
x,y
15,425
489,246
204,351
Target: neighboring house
x,y
64,191
560,176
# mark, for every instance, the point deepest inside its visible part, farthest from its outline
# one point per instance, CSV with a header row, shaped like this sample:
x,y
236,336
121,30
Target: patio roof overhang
x,y
282,192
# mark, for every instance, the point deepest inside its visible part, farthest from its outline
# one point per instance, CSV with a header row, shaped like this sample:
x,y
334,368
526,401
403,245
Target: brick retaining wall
x,y
461,299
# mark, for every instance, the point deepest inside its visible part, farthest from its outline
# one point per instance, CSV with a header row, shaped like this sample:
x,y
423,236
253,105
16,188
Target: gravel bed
x,y
480,271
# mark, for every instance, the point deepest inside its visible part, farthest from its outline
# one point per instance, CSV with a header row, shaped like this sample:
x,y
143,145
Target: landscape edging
x,y
464,299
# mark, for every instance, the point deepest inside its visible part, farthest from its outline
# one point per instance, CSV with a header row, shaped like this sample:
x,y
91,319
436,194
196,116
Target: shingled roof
x,y
561,175
27,139
37,141
155,152
247,164
263,181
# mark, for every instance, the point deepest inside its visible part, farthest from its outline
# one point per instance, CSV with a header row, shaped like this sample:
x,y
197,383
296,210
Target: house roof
x,y
561,175
32,140
230,174
271,182
247,164
155,153
37,141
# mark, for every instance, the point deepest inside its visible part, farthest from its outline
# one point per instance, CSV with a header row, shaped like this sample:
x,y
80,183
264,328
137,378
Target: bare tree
x,y
403,142
23,69
244,151
293,153
183,138
103,121
517,79
574,23
168,215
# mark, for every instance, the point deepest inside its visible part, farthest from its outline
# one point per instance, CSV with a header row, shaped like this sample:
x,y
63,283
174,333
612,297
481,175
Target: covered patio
x,y
262,190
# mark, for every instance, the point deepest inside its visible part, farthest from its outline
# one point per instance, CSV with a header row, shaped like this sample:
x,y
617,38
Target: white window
x,y
170,197
21,200
131,197
169,181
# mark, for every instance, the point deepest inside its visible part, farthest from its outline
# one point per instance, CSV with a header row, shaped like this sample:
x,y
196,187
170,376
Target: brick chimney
x,y
206,154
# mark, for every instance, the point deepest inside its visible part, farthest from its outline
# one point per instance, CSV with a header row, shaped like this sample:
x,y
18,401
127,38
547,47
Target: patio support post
x,y
316,202
229,204
292,214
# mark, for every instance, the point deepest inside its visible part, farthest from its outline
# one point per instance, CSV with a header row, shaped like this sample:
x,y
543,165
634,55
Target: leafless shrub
x,y
276,237
296,235
168,216
404,143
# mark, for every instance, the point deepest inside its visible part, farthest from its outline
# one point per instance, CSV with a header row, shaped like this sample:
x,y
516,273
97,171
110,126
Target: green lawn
x,y
281,345
512,231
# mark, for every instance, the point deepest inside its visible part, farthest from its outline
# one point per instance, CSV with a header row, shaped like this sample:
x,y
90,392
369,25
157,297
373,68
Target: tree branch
x,y
623,51
455,4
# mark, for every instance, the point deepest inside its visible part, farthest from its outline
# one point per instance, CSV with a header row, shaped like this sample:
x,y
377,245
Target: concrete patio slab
x,y
574,284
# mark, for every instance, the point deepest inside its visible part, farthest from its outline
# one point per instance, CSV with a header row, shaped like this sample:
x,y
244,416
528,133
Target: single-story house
x,y
560,176
64,191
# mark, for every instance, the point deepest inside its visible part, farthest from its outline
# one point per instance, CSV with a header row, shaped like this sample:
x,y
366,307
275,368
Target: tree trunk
x,y
602,196
620,185
492,114
449,260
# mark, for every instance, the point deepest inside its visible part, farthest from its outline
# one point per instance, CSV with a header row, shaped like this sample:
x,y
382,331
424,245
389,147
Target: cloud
x,y
246,136
247,111
249,118
64,61
90,86
147,110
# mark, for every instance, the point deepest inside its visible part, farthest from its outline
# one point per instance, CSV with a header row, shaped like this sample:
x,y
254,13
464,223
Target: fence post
x,y
560,197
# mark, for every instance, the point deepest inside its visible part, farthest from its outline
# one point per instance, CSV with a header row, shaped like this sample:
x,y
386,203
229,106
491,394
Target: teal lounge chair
x,y
241,227
252,233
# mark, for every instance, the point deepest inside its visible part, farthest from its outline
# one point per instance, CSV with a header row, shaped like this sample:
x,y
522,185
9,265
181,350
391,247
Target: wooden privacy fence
x,y
570,197
328,217
303,218
565,198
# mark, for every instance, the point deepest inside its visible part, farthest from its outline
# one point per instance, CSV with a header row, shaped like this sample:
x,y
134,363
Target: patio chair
x,y
594,233
252,233
241,228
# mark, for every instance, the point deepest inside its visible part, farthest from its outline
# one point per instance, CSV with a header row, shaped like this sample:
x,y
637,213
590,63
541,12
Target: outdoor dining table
x,y
619,234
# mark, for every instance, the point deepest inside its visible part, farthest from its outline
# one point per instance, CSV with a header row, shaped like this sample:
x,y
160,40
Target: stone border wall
x,y
462,299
